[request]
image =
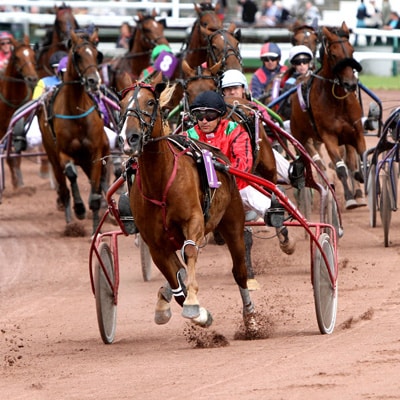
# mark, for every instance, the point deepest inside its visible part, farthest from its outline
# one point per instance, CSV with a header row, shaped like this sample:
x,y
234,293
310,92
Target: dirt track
x,y
51,348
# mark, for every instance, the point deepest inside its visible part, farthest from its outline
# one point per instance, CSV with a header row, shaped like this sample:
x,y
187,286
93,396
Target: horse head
x,y
65,21
141,119
305,35
337,57
149,31
197,80
83,60
207,16
223,49
22,63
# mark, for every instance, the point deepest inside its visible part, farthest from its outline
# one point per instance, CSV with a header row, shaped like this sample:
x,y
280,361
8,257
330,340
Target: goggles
x,y
269,58
300,61
209,115
4,43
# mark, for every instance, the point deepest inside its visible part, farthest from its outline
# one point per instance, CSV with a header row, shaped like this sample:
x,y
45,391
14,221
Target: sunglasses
x,y
209,115
270,59
4,43
301,61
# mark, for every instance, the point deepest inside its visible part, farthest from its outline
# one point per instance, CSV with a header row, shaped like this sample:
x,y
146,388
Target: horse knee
x,y
70,172
95,201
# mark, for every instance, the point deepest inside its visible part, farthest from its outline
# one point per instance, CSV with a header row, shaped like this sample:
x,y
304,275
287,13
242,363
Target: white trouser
x,y
255,200
282,166
34,135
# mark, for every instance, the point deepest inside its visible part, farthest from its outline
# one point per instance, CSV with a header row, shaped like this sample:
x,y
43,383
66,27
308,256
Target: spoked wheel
x,y
371,193
385,207
325,295
145,259
304,200
105,305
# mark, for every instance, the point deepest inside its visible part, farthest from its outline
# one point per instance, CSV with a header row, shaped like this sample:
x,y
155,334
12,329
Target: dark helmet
x,y
56,58
209,100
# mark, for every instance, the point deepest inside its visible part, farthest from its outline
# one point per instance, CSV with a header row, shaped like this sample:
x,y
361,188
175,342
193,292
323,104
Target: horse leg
x,y
252,283
16,175
353,162
72,174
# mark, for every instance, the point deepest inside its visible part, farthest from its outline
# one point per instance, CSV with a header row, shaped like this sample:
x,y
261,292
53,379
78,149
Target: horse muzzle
x,y
133,145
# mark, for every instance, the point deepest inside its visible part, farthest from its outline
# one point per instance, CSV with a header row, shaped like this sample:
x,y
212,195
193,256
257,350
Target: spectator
x,y
283,16
270,55
249,11
375,19
312,14
268,14
386,12
5,49
361,16
393,23
125,36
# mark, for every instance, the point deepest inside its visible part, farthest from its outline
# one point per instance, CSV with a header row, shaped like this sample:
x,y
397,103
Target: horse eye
x,y
151,102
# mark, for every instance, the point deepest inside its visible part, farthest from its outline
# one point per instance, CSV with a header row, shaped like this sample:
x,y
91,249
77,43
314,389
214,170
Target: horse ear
x,y
163,22
100,57
187,69
159,88
154,13
232,27
238,34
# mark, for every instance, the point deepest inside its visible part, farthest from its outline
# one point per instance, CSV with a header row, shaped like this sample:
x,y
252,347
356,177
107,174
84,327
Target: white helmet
x,y
297,50
233,77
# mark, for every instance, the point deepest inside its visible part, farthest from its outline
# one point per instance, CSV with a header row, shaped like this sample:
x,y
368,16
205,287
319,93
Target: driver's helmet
x,y
62,66
233,77
5,35
270,49
56,58
298,51
158,49
209,100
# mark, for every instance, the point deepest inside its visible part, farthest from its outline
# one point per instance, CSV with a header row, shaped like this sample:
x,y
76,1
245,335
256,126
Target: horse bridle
x,y
133,110
341,64
151,42
85,43
227,51
11,79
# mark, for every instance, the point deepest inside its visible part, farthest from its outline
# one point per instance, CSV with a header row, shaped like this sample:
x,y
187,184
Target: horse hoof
x,y
351,204
288,246
252,284
204,319
162,317
191,311
80,211
251,324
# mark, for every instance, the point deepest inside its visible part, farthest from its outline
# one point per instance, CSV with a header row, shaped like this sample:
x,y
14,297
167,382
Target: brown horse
x,y
305,35
73,129
146,35
223,49
334,112
195,48
16,87
56,38
168,187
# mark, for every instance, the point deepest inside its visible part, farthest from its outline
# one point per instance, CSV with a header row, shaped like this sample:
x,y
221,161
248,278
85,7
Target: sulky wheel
x,y
325,295
105,305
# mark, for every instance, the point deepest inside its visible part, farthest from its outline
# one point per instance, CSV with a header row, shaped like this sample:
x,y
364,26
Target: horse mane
x,y
166,94
206,6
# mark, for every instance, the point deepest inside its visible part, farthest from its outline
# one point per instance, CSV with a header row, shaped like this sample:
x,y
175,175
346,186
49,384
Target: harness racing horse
x,y
56,38
223,49
172,207
16,88
333,111
73,129
146,35
195,48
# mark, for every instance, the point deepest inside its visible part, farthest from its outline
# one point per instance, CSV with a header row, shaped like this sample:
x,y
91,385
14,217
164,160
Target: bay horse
x,y
146,35
195,48
223,49
56,39
73,129
16,88
333,111
172,208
